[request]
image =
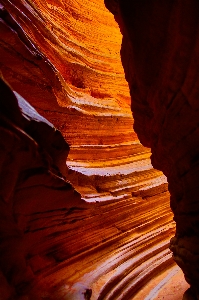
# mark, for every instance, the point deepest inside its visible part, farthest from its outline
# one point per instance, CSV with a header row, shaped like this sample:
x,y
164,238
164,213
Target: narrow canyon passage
x,y
99,225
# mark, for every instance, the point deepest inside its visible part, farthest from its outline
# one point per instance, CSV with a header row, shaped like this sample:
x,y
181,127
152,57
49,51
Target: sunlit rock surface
x,y
98,129
160,56
111,242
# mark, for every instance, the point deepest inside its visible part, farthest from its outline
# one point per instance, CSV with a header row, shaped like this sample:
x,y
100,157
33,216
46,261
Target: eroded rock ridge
x,y
160,58
108,239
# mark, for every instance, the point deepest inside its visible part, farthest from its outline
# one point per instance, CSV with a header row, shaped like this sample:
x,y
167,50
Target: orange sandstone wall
x,y
64,59
60,41
160,56
82,41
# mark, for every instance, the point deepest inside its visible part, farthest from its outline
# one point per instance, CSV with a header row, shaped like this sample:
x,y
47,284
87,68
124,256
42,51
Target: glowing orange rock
x,y
160,57
64,59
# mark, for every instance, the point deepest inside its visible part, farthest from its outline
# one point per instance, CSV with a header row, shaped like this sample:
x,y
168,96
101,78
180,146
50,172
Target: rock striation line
x,y
160,58
107,238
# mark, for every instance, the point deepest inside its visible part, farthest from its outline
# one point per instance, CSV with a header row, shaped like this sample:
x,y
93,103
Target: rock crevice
x,y
93,222
160,55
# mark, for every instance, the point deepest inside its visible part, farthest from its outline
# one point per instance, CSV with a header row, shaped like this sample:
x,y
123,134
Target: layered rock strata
x,y
97,153
54,244
112,240
160,57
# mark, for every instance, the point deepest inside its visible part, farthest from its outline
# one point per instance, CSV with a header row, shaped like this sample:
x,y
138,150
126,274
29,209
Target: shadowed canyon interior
x,y
83,214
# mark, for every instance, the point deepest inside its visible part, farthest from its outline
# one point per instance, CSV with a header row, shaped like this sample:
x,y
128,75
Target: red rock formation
x,y
160,57
114,239
48,232
65,105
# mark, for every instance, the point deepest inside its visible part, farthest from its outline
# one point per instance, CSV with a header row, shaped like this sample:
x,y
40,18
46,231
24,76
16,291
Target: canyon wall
x,y
104,235
160,58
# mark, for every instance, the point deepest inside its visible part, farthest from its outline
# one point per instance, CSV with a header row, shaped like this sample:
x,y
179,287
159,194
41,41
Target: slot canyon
x,y
99,150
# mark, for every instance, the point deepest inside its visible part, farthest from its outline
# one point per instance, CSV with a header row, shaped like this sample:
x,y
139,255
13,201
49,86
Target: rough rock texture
x,y
160,57
110,242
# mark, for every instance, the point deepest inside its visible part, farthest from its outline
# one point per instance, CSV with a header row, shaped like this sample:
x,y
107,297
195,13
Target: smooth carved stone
x,y
25,170
113,241
45,134
110,155
54,232
65,36
160,57
99,158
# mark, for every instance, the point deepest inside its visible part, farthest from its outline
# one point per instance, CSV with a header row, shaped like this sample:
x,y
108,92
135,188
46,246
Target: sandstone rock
x,y
160,54
113,240
26,170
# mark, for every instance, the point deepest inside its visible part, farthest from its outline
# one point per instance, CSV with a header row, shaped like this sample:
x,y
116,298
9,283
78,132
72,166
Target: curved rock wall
x,y
97,153
114,239
160,57
54,244
83,118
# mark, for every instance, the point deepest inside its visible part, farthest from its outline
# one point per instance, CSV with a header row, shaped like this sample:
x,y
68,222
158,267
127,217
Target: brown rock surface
x,y
160,56
53,244
111,241
97,151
